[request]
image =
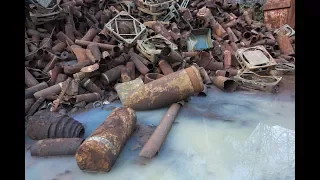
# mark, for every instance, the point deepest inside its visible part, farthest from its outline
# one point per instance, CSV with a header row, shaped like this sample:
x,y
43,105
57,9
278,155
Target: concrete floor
x,y
241,135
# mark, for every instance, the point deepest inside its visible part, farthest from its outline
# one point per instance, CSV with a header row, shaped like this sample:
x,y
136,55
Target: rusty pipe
x,y
154,143
207,62
160,29
224,83
101,45
165,67
32,32
115,51
91,33
111,75
81,75
28,93
54,74
171,55
89,97
131,68
29,80
174,28
227,59
139,65
60,78
237,33
52,90
35,106
232,36
68,29
59,47
231,23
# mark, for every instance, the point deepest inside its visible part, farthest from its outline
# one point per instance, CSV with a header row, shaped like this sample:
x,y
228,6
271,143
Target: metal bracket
x,y
173,13
184,3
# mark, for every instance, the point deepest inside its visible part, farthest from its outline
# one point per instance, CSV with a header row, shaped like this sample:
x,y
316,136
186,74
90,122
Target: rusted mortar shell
x,y
218,29
247,17
28,103
71,69
35,106
99,151
55,147
237,33
165,67
174,28
171,55
227,59
30,91
101,45
52,90
92,32
265,42
65,56
59,47
208,63
68,29
45,124
111,75
61,78
116,51
46,43
166,90
54,74
151,77
124,75
204,76
90,86
284,44
139,65
269,35
94,49
247,35
288,58
81,75
175,37
227,73
232,36
64,38
131,68
97,39
224,83
154,143
216,37
231,23
51,64
89,97
29,80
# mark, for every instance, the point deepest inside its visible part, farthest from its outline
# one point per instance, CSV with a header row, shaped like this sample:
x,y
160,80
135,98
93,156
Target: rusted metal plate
x,y
276,18
276,4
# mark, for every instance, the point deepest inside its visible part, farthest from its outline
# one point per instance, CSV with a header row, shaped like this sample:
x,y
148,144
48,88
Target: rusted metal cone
x,y
45,124
224,83
154,143
111,75
284,44
165,67
89,97
55,147
166,90
151,77
171,55
99,151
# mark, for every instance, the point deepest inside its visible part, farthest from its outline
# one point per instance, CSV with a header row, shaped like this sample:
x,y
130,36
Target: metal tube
x,y
131,68
232,36
91,33
247,17
52,90
224,83
208,63
30,91
270,42
154,143
29,80
218,29
68,29
101,45
64,38
90,86
204,76
89,97
125,75
111,75
115,51
139,65
46,43
94,49
171,55
51,64
165,67
28,103
59,47
35,106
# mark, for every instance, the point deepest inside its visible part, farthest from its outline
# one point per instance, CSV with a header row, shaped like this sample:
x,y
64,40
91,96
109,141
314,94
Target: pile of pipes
x,y
102,51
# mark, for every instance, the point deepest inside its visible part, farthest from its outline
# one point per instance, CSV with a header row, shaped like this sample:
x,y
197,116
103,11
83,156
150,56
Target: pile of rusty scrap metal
x,y
148,54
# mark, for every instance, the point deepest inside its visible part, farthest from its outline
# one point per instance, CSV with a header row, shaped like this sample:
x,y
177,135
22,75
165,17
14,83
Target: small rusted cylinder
x,y
284,44
101,45
125,75
111,75
209,63
269,35
71,69
46,43
204,75
160,29
116,51
131,68
275,53
231,23
89,97
265,42
147,63
66,56
35,106
60,78
224,83
175,37
165,67
139,65
94,49
105,16
171,55
99,151
77,34
227,73
51,64
218,29
232,36
90,86
166,90
59,47
29,80
254,38
154,143
30,91
190,54
55,147
54,74
64,38
247,35
151,77
237,33
247,17
92,32
45,55
68,29
52,90
81,75
28,103
46,124
122,59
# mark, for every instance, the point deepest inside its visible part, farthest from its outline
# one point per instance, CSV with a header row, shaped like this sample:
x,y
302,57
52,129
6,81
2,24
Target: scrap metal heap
x,y
146,53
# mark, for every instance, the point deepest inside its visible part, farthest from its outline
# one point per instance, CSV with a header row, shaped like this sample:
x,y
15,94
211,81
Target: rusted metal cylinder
x,y
46,43
139,65
284,44
231,23
68,29
275,53
64,38
254,38
174,28
247,35
45,55
204,75
66,56
116,51
265,42
224,83
60,78
131,68
160,29
91,33
46,124
227,73
122,59
124,75
90,86
99,151
208,63
218,29
288,58
147,63
190,54
51,64
94,49
54,74
245,43
97,39
89,97
101,45
227,59
55,147
59,47
232,36
81,75
247,17
35,106
28,103
52,90
29,80
111,75
71,69
234,46
165,67
269,35
166,90
237,33
151,77
171,55
154,143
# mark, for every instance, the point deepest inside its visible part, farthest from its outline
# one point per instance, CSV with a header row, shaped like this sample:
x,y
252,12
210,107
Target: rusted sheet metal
x,y
99,151
153,145
55,147
278,13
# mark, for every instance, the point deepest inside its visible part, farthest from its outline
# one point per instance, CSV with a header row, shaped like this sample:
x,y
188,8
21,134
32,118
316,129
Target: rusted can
x,y
46,124
71,69
166,90
59,47
29,80
55,147
125,75
151,77
154,143
90,86
111,75
101,45
94,49
91,33
171,55
99,151
284,44
89,97
131,68
28,103
165,67
224,83
204,76
35,106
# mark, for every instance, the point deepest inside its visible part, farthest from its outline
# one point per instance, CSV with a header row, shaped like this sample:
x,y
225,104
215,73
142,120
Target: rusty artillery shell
x,y
208,63
154,143
51,64
28,103
131,68
165,67
151,77
166,90
204,76
147,63
94,49
101,45
60,78
218,29
232,36
46,43
224,83
71,69
247,17
237,33
122,59
89,97
64,38
116,51
227,73
52,90
111,75
29,80
190,54
174,28
91,33
46,124
90,86
175,37
54,74
68,29
59,47
30,91
265,42
231,23
227,59
99,151
55,147
139,65
124,75
66,56
284,44
81,75
171,55
35,106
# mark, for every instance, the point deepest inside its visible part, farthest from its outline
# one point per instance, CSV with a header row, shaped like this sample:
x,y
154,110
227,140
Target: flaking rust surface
x,y
276,18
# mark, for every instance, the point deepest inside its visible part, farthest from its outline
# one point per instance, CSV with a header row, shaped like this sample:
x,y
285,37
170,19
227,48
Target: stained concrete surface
x,y
242,135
